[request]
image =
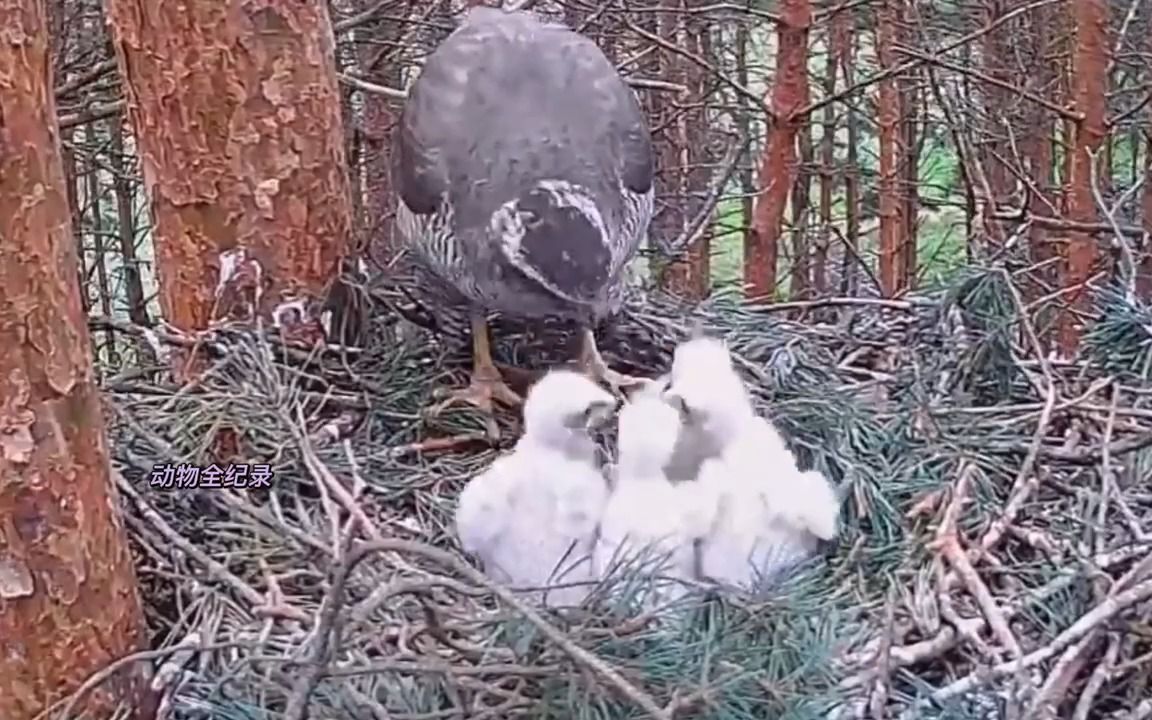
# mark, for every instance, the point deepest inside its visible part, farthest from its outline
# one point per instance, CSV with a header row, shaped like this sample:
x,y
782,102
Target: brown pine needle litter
x,y
995,562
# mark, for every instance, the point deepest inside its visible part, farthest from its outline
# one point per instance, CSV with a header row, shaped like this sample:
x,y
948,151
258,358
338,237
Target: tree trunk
x,y
1144,271
126,213
778,163
380,63
238,128
691,276
890,116
1039,137
845,41
827,161
68,599
801,202
1090,68
995,150
744,126
104,291
911,141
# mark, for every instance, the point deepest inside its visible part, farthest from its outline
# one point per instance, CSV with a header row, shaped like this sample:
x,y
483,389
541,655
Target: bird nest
x,y
995,559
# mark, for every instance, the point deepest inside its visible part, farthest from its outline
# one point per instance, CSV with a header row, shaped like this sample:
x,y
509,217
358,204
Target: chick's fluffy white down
x,y
648,519
771,514
531,519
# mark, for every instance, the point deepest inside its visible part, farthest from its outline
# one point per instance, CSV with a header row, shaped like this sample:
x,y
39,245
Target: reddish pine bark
x,y
237,117
1038,137
892,224
68,600
778,163
997,61
1090,68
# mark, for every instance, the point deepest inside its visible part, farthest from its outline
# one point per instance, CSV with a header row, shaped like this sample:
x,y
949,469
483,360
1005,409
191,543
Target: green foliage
x,y
1121,341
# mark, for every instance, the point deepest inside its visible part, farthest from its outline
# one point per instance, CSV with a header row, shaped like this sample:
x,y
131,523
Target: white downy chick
x,y
648,520
771,513
714,404
769,521
531,517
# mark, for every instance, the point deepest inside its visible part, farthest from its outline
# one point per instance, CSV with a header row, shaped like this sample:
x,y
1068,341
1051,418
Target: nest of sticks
x,y
995,559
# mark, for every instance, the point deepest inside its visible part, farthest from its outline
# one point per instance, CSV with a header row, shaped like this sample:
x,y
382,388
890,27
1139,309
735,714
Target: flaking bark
x,y
237,118
68,599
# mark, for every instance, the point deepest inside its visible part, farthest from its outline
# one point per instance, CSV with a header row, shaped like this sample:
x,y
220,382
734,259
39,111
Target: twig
x,y
1102,613
1099,676
458,566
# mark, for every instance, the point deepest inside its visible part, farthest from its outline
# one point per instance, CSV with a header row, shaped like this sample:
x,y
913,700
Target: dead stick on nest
x,y
1025,482
948,637
1109,608
1064,671
215,569
437,444
322,650
98,678
983,596
1108,477
321,472
947,541
1100,675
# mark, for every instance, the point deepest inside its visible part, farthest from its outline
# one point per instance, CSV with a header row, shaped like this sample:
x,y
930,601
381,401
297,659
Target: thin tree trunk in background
x,y
379,200
126,212
1090,65
675,276
68,600
238,129
845,42
1038,138
911,141
778,161
966,170
354,157
1105,166
827,163
104,290
1144,274
657,108
889,118
379,63
744,125
801,202
68,159
697,176
995,150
